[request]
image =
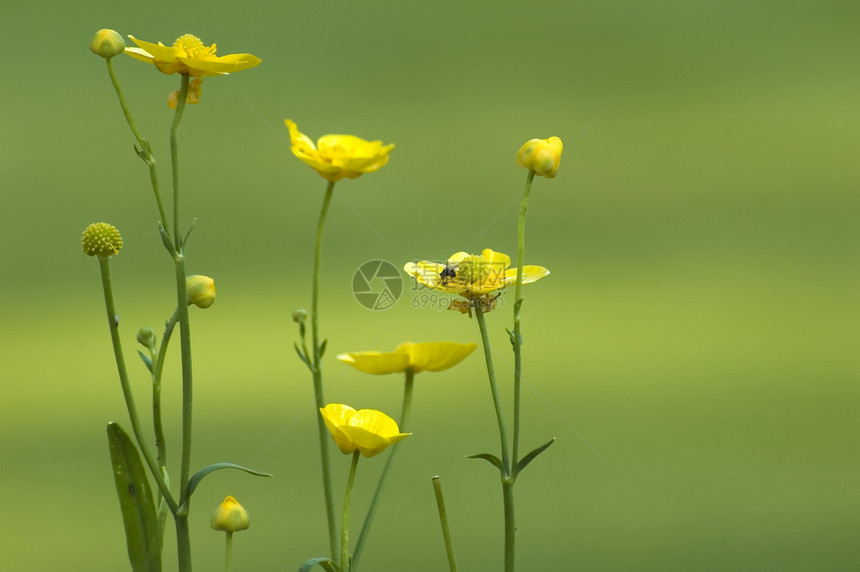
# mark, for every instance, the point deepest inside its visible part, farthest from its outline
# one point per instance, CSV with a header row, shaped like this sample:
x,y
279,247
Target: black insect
x,y
447,273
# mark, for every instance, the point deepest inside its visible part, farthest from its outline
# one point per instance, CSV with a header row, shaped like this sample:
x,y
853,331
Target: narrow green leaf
x,y
187,234
518,306
166,240
135,501
147,361
326,563
322,347
198,476
301,353
491,458
512,337
530,457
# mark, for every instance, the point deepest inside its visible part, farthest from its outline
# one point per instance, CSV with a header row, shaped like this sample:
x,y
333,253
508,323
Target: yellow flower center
x,y
477,270
192,46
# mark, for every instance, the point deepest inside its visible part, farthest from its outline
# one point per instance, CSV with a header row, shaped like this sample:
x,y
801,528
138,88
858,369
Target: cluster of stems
x,y
172,237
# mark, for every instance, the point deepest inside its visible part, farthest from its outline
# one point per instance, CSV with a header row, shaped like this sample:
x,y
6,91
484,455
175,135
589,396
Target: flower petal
x,y
435,356
376,363
530,274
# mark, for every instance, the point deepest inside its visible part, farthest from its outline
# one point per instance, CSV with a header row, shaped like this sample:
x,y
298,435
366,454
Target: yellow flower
x,y
367,430
472,275
541,156
337,156
195,89
188,56
430,356
230,517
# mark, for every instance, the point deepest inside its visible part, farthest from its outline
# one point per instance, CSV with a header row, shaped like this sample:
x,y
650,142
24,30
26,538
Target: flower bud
x,y
200,290
230,516
107,43
146,338
541,156
101,239
300,315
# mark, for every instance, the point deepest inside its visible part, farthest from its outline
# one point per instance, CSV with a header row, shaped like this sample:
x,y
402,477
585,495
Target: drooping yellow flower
x,y
200,290
367,430
541,156
472,276
195,90
230,517
188,56
428,356
337,156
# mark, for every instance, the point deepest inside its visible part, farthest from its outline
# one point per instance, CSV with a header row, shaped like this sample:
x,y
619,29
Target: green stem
x,y
229,555
144,152
113,325
494,389
371,512
316,371
174,159
518,338
183,538
443,519
510,524
344,535
157,369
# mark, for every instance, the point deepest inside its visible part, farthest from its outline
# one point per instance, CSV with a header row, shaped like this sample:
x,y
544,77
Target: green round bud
x,y
200,290
101,239
107,43
146,337
300,315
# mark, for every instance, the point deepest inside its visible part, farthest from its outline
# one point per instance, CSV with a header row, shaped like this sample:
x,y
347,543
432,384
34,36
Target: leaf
x,y
518,306
135,501
299,351
530,457
326,563
187,234
491,458
512,337
166,240
198,476
322,348
147,361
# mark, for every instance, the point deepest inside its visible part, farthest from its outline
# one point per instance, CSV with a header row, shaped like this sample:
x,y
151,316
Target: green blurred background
x,y
693,350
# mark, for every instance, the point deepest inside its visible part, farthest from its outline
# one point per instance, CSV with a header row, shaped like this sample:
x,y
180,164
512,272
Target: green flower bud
x,y
107,43
200,290
300,315
101,239
230,516
146,338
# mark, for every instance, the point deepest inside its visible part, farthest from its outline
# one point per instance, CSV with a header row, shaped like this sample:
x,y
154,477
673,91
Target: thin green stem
x,y
510,524
518,338
113,325
494,389
316,371
371,512
144,152
228,558
443,519
183,537
157,369
344,535
174,159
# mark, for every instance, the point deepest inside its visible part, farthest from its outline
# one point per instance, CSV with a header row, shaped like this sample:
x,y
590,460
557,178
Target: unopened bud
x,y
200,290
146,337
107,43
541,156
300,315
230,516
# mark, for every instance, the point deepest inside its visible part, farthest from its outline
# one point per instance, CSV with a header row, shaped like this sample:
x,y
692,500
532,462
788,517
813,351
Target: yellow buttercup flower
x,y
230,517
541,156
415,358
337,156
188,56
367,430
472,276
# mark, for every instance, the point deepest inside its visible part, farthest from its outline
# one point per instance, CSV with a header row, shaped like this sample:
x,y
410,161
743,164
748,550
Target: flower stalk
x,y
517,338
316,372
344,536
443,519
